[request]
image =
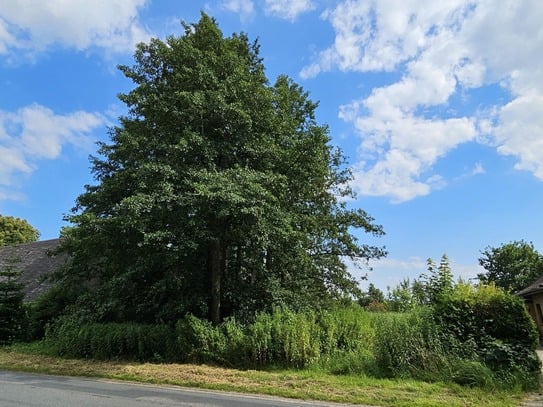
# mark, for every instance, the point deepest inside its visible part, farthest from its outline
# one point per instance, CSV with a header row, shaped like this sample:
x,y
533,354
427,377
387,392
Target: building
x,y
35,262
533,296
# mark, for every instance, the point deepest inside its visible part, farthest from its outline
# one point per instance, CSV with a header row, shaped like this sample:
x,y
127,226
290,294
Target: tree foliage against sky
x,y
512,266
15,231
219,193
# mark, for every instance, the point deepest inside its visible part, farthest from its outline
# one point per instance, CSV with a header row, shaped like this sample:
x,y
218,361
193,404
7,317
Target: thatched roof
x,y
535,288
35,262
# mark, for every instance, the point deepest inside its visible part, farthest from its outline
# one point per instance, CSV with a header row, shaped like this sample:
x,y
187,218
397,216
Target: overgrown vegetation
x,y
475,336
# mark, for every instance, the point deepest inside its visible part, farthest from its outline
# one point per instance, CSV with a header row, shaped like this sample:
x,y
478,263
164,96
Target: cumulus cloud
x,y
36,133
32,26
439,49
245,8
288,9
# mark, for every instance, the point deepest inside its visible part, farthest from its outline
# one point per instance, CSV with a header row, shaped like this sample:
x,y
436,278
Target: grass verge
x,y
306,384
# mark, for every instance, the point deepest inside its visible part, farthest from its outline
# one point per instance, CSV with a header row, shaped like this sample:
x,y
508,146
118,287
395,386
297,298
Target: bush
x,y
198,341
492,327
47,307
471,373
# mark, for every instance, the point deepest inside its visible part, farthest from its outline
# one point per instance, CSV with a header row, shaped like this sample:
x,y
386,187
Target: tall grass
x,y
347,340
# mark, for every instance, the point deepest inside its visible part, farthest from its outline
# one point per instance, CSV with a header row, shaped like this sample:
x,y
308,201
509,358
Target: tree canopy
x,y
218,194
16,230
512,266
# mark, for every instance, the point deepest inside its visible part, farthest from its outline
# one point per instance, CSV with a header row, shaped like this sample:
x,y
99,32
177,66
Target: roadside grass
x,y
308,384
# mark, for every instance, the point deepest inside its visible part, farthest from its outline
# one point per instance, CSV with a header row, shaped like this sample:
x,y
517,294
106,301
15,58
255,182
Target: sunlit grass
x,y
311,384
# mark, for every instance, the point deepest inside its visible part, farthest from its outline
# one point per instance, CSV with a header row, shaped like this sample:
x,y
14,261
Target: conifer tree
x,y
12,312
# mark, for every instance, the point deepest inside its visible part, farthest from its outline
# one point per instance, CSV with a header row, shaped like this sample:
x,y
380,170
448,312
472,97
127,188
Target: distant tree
x,y
439,280
15,231
373,295
219,193
427,289
12,312
512,266
400,298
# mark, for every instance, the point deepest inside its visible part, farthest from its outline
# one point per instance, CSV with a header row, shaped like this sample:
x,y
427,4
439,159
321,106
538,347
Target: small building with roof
x,y
533,297
35,262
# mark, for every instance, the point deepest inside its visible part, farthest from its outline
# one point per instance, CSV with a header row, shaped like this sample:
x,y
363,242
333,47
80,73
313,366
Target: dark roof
x,y
35,262
535,288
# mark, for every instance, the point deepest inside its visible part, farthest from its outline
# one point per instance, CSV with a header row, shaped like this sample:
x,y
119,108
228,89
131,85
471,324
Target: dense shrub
x,y
198,341
493,327
46,308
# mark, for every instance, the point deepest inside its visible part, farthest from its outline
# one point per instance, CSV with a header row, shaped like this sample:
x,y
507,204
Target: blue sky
x,y
438,106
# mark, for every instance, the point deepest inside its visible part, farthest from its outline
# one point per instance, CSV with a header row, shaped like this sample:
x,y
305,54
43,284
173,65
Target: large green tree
x,y
512,266
219,193
15,231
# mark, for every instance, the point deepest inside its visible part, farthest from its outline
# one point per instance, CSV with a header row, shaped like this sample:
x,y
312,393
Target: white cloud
x,y
289,9
400,147
32,25
520,132
245,8
36,133
439,49
478,168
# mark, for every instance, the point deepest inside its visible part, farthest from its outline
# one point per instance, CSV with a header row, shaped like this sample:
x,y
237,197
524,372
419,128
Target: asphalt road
x,y
33,390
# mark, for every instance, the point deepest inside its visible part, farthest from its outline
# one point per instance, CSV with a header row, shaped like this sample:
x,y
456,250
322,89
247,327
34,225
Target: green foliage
x,y
493,327
12,310
286,338
372,296
107,341
46,308
198,341
426,290
419,344
408,345
512,266
438,282
403,297
15,231
345,329
218,194
471,373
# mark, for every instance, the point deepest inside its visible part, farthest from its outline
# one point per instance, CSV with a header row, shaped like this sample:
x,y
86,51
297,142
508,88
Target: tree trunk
x,y
214,264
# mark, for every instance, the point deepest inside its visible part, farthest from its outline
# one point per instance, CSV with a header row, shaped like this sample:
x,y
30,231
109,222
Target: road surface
x,y
33,390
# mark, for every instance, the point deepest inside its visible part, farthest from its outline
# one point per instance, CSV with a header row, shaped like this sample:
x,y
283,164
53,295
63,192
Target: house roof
x,y
535,288
35,263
